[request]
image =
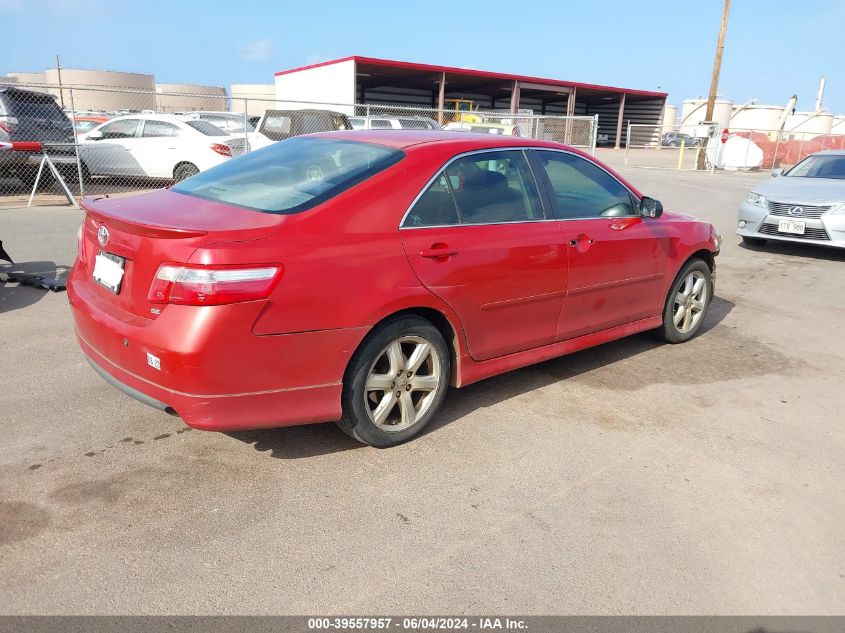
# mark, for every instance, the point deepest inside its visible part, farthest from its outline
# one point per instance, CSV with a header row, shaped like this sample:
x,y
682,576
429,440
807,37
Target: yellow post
x,y
681,154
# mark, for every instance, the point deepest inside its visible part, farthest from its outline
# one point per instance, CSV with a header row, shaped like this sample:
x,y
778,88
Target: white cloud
x,y
256,51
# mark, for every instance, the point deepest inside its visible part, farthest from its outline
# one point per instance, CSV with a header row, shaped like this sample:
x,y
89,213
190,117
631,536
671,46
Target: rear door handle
x,y
441,252
575,242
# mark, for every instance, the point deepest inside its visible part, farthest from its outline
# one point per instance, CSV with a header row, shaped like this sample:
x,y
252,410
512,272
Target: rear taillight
x,y
213,285
8,123
223,150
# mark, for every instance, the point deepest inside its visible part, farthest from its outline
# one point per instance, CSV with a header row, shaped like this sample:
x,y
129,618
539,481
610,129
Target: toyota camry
x,y
355,276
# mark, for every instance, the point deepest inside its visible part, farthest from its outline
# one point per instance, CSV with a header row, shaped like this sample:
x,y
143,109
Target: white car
x,y
393,123
156,146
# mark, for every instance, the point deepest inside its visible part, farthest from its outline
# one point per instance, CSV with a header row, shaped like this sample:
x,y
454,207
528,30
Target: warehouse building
x,y
368,80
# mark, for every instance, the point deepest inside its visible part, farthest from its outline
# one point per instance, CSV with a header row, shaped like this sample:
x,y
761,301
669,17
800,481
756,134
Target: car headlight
x,y
837,209
756,199
716,236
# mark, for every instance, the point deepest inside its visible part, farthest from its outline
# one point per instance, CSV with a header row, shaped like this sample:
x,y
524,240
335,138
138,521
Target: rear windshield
x,y
26,104
206,128
291,176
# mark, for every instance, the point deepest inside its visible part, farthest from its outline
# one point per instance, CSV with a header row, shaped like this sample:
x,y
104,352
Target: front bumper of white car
x,y
819,227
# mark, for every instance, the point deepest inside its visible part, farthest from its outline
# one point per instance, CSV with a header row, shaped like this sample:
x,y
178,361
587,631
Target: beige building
x,y
187,97
255,98
106,90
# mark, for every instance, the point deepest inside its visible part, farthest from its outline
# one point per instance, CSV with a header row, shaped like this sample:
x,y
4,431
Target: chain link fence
x,y
702,147
98,141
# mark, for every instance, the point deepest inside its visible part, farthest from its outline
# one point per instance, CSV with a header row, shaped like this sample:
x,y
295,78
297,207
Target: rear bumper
x,y
225,412
214,372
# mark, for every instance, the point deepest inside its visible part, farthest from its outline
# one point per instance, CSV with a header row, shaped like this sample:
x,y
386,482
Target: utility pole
x,y
717,67
59,73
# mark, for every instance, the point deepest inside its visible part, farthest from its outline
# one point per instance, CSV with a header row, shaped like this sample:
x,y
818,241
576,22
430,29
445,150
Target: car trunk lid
x,y
142,232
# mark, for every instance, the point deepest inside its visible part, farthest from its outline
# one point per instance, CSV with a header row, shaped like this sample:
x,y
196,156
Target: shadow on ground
x,y
804,251
14,296
298,442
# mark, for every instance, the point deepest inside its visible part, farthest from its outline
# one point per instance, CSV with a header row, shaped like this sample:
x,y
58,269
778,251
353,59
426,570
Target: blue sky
x,y
774,48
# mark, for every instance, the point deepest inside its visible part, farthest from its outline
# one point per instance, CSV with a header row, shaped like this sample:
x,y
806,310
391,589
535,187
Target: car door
x,y
617,259
110,153
155,152
478,238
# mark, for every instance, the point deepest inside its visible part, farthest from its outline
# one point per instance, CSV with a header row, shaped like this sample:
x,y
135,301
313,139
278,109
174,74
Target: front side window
x,y
159,128
581,189
124,128
291,176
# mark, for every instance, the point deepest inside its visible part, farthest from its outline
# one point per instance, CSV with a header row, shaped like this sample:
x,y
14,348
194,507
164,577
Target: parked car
x,y
674,139
804,204
278,125
230,122
393,123
256,295
82,124
156,146
483,128
26,115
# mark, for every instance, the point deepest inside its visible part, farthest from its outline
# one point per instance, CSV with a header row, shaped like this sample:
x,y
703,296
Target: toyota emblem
x,y
796,211
103,235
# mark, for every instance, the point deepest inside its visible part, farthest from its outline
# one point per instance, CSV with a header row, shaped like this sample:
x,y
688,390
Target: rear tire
x,y
687,303
754,241
395,382
184,170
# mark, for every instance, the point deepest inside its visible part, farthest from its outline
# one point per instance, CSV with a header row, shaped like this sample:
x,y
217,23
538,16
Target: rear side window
x,y
291,176
159,128
581,189
204,127
484,188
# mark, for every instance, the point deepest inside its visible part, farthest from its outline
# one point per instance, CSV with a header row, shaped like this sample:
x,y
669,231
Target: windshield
x,y
820,166
291,176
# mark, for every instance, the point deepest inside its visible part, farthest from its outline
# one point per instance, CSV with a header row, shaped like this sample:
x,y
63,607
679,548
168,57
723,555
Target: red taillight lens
x,y
223,150
213,285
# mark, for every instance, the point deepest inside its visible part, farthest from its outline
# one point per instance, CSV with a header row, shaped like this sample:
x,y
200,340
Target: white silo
x,y
670,117
693,111
755,117
806,125
838,125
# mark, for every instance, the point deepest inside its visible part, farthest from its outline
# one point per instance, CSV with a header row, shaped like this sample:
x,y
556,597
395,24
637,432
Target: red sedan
x,y
354,276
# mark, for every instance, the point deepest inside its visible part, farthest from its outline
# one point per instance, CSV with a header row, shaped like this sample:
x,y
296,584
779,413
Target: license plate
x,y
796,227
108,271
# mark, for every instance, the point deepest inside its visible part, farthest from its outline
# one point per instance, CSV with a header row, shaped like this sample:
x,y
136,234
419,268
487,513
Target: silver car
x,y
804,204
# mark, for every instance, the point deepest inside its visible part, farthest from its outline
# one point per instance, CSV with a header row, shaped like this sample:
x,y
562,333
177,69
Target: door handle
x,y
438,252
575,242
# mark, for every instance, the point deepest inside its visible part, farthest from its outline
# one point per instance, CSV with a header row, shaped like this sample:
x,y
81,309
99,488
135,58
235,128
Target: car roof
x,y
831,152
401,139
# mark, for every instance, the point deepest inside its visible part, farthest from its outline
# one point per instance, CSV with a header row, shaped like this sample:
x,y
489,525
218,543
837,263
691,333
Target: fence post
x,y
246,125
627,141
367,119
76,145
775,155
595,133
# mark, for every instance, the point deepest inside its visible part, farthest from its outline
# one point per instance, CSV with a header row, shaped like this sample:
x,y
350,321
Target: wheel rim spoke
x,y
385,406
418,356
380,382
679,315
406,407
425,383
395,357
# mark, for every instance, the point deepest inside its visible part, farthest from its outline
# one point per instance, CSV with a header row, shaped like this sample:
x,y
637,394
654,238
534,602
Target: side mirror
x,y
94,135
650,208
777,172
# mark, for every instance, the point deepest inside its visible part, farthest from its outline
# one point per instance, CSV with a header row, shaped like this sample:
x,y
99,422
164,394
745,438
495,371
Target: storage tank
x,y
693,111
838,125
756,117
105,90
806,125
670,117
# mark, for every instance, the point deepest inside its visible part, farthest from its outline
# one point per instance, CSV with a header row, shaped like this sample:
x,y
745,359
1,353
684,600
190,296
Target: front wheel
x,y
395,382
687,302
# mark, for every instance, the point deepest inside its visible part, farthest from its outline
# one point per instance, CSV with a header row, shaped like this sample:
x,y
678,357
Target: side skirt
x,y
473,371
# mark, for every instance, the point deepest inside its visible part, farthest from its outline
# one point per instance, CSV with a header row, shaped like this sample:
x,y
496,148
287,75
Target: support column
x,y
619,122
441,99
515,97
570,102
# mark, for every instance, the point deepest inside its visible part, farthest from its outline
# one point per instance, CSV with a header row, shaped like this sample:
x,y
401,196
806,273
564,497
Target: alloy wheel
x,y
402,383
689,302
